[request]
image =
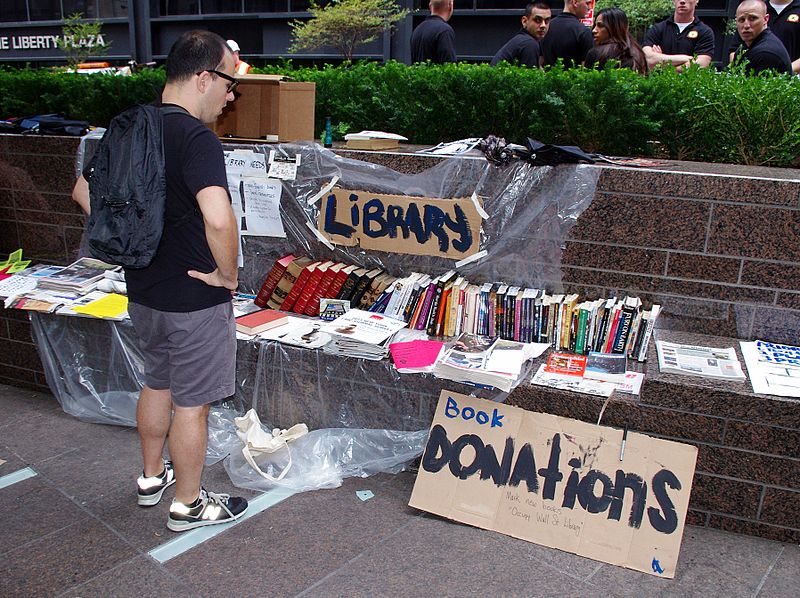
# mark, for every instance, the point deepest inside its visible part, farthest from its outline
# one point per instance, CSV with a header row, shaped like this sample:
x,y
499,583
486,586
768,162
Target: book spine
x,y
270,282
361,288
337,283
307,292
312,309
348,286
623,330
297,288
435,311
612,330
425,310
580,341
651,322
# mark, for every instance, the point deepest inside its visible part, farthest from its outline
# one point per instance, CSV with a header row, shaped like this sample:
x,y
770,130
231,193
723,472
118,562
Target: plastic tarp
x,y
364,416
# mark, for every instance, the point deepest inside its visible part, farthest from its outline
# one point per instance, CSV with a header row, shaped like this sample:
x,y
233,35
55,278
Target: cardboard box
x,y
267,106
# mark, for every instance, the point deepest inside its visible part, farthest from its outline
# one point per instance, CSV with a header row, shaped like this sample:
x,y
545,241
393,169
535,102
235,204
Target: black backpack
x,y
128,188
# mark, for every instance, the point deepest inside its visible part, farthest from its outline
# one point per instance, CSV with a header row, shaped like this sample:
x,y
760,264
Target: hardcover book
x,y
287,281
272,279
260,321
311,285
297,288
328,276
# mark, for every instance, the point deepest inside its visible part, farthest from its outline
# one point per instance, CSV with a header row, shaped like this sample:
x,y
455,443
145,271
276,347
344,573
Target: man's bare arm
x,y
796,67
655,57
222,237
80,194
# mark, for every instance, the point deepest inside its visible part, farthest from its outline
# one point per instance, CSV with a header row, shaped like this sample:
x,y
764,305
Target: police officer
x,y
568,38
784,22
434,39
524,46
681,40
761,49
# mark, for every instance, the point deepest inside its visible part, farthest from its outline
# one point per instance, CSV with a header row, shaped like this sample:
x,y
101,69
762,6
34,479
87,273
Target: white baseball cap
x,y
233,45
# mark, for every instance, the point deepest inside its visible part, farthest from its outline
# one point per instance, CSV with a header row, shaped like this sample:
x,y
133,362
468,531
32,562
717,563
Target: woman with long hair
x,y
613,41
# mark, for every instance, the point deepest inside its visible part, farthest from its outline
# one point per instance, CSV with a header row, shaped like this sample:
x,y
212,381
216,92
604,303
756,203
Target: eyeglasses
x,y
233,82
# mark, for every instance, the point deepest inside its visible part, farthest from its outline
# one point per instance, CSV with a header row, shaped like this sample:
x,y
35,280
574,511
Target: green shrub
x,y
697,115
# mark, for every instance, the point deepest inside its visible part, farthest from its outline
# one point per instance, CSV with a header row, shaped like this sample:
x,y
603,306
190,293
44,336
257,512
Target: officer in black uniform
x,y
524,46
786,27
434,39
760,48
681,40
568,38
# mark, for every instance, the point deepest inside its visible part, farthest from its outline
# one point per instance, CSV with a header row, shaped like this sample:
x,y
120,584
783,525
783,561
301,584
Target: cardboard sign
x,y
557,482
400,223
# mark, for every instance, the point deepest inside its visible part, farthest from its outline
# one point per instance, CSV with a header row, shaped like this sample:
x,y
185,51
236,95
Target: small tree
x,y
641,13
345,25
79,39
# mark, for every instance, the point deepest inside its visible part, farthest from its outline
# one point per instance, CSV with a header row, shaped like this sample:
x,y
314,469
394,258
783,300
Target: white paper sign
x,y
283,168
259,207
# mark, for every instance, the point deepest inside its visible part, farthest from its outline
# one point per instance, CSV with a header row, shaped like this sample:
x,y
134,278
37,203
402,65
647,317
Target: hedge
x,y
701,114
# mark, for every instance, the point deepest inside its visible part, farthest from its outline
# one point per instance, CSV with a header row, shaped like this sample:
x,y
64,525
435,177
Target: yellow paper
x,y
13,258
112,305
19,266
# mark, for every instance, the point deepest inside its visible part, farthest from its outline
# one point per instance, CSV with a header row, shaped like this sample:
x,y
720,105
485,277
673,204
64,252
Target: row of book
x,y
449,305
297,284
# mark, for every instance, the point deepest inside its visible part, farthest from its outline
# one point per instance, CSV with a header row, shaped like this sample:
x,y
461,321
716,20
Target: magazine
x,y
695,360
363,326
575,383
774,369
606,367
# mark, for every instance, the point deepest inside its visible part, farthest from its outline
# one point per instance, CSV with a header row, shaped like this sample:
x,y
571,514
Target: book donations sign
x,y
557,482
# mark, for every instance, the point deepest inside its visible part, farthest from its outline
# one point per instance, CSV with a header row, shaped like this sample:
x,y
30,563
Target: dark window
x,y
114,8
500,4
45,10
460,4
179,7
16,12
211,7
87,8
266,5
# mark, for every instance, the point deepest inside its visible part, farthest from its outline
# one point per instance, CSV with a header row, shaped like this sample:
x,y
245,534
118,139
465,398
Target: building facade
x,y
144,30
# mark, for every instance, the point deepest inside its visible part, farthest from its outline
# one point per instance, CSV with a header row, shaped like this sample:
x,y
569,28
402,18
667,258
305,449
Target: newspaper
x,y
709,362
773,369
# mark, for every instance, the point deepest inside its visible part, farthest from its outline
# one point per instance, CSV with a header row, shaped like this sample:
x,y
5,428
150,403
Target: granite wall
x,y
717,246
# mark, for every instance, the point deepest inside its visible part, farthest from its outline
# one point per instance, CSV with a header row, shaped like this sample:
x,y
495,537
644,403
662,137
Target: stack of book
x,y
448,305
80,277
483,361
361,334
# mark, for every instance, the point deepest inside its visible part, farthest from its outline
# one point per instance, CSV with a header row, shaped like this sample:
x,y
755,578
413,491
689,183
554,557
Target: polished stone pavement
x,y
74,530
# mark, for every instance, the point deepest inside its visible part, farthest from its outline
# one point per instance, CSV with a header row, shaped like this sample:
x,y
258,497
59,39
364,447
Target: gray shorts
x,y
192,354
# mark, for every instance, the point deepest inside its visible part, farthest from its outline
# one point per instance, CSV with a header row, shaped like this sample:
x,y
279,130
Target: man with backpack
x,y
180,304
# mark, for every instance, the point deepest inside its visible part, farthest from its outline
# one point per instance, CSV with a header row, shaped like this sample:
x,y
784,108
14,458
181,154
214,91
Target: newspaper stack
x,y
694,360
484,361
80,277
363,334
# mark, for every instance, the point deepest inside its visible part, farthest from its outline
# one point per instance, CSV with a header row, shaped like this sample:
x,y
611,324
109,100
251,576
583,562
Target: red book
x,y
271,281
260,320
293,295
312,309
310,287
612,329
338,281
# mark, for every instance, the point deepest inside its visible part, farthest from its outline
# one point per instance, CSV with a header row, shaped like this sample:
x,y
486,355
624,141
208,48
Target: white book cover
x,y
774,369
364,326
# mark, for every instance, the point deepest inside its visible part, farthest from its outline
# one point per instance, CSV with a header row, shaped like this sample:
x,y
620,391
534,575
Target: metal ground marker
x,y
17,476
188,540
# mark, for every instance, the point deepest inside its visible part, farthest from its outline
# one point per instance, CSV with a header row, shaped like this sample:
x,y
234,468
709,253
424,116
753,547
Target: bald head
x,y
441,8
751,20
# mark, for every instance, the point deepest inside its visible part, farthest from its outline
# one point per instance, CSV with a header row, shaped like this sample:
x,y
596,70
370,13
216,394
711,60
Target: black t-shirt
x,y
697,39
765,53
433,40
786,27
568,39
193,161
523,47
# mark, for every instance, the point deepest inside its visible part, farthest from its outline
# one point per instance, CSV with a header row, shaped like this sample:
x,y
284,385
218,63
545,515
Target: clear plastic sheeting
x,y
94,369
323,458
530,212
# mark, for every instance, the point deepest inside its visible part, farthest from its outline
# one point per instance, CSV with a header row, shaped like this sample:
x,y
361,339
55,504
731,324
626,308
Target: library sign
x,y
558,482
401,223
